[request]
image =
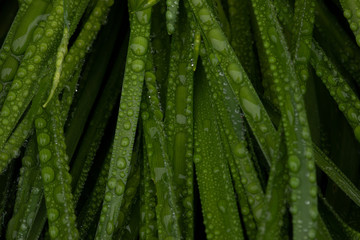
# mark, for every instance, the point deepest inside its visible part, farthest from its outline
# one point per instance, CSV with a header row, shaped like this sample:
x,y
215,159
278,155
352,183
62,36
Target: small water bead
x,y
37,59
127,125
294,163
111,183
49,32
252,188
235,72
137,65
342,94
53,231
120,187
43,47
357,133
44,155
313,191
125,142
217,39
130,112
9,69
40,123
53,214
272,34
294,182
205,16
197,158
28,161
139,45
239,150
143,16
80,43
97,11
59,194
312,177
347,13
5,111
43,139
47,174
353,26
250,104
121,163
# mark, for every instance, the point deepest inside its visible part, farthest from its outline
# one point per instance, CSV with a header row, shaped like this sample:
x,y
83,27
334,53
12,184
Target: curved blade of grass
x,y
24,80
332,37
351,13
100,116
275,197
91,207
303,24
29,174
131,190
342,93
178,121
131,230
337,227
236,77
160,48
161,169
233,128
294,120
127,122
238,154
97,68
242,38
148,226
336,175
217,196
326,70
172,12
323,232
54,172
5,49
331,170
6,179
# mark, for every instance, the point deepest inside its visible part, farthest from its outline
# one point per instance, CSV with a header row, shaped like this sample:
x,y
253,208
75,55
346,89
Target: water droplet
x,y
205,16
121,163
235,72
120,187
53,231
47,174
143,16
250,104
217,39
40,123
125,141
53,214
127,125
43,47
110,228
294,182
294,163
44,155
357,133
139,45
9,68
197,158
252,188
137,65
112,183
43,139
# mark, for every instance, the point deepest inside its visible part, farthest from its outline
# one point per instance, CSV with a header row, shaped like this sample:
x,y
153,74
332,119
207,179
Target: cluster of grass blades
x,y
180,120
